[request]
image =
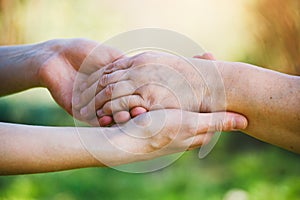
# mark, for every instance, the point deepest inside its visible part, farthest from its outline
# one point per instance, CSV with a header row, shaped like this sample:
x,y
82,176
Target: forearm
x,y
270,100
33,149
28,149
19,67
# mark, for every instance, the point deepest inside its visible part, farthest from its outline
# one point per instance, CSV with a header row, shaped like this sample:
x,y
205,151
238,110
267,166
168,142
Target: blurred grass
x,y
34,107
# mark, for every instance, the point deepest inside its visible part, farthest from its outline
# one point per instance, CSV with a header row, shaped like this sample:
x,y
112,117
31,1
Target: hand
x,y
59,70
124,116
161,132
177,84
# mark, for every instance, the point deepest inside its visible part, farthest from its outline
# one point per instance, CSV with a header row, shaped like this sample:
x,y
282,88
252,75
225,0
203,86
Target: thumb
x,y
221,121
63,96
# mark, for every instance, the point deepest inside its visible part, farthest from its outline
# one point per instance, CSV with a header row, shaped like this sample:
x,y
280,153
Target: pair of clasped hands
x,y
148,105
110,89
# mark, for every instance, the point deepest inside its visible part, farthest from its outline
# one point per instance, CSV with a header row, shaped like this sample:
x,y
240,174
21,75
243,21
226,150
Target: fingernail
x,y
84,111
240,123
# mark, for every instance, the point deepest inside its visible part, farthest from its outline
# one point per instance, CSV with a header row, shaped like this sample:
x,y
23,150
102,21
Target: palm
x,y
59,72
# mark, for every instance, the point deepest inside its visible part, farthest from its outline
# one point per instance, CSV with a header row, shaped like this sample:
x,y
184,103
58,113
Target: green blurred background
x,y
262,32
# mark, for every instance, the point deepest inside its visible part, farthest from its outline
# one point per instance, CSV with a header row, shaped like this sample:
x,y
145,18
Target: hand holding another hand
x,y
148,81
159,133
58,70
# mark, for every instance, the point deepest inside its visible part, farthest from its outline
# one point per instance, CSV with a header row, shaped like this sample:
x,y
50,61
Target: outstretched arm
x,y
33,149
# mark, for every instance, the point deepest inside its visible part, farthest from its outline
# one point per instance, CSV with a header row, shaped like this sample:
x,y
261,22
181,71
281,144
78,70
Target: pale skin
x,y
54,65
269,99
35,149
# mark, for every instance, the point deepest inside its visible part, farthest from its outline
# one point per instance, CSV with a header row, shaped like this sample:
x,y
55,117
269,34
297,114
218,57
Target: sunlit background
x,y
261,32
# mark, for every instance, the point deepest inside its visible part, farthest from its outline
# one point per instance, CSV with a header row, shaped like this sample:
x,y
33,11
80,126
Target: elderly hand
x,y
148,81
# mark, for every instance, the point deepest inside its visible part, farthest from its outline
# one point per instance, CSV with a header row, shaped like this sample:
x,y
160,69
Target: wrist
x,y
44,59
19,67
240,80
210,85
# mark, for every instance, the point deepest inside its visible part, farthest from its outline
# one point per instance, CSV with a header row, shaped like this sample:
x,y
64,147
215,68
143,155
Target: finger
x,y
94,122
137,111
104,93
124,116
121,116
100,56
111,92
113,77
207,56
94,77
105,79
220,121
85,97
200,140
122,104
105,121
88,112
114,55
123,63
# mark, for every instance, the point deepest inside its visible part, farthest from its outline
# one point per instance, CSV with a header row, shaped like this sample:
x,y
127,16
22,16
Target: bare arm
x,y
270,100
34,149
19,66
52,64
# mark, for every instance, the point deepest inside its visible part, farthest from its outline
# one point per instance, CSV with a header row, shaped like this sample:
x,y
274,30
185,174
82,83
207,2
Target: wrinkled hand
x,y
148,81
144,82
59,71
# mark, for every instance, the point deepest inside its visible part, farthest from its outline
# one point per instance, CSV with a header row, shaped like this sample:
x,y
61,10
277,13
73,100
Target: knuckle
x,y
104,80
228,124
218,126
109,68
109,90
107,108
124,104
223,124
